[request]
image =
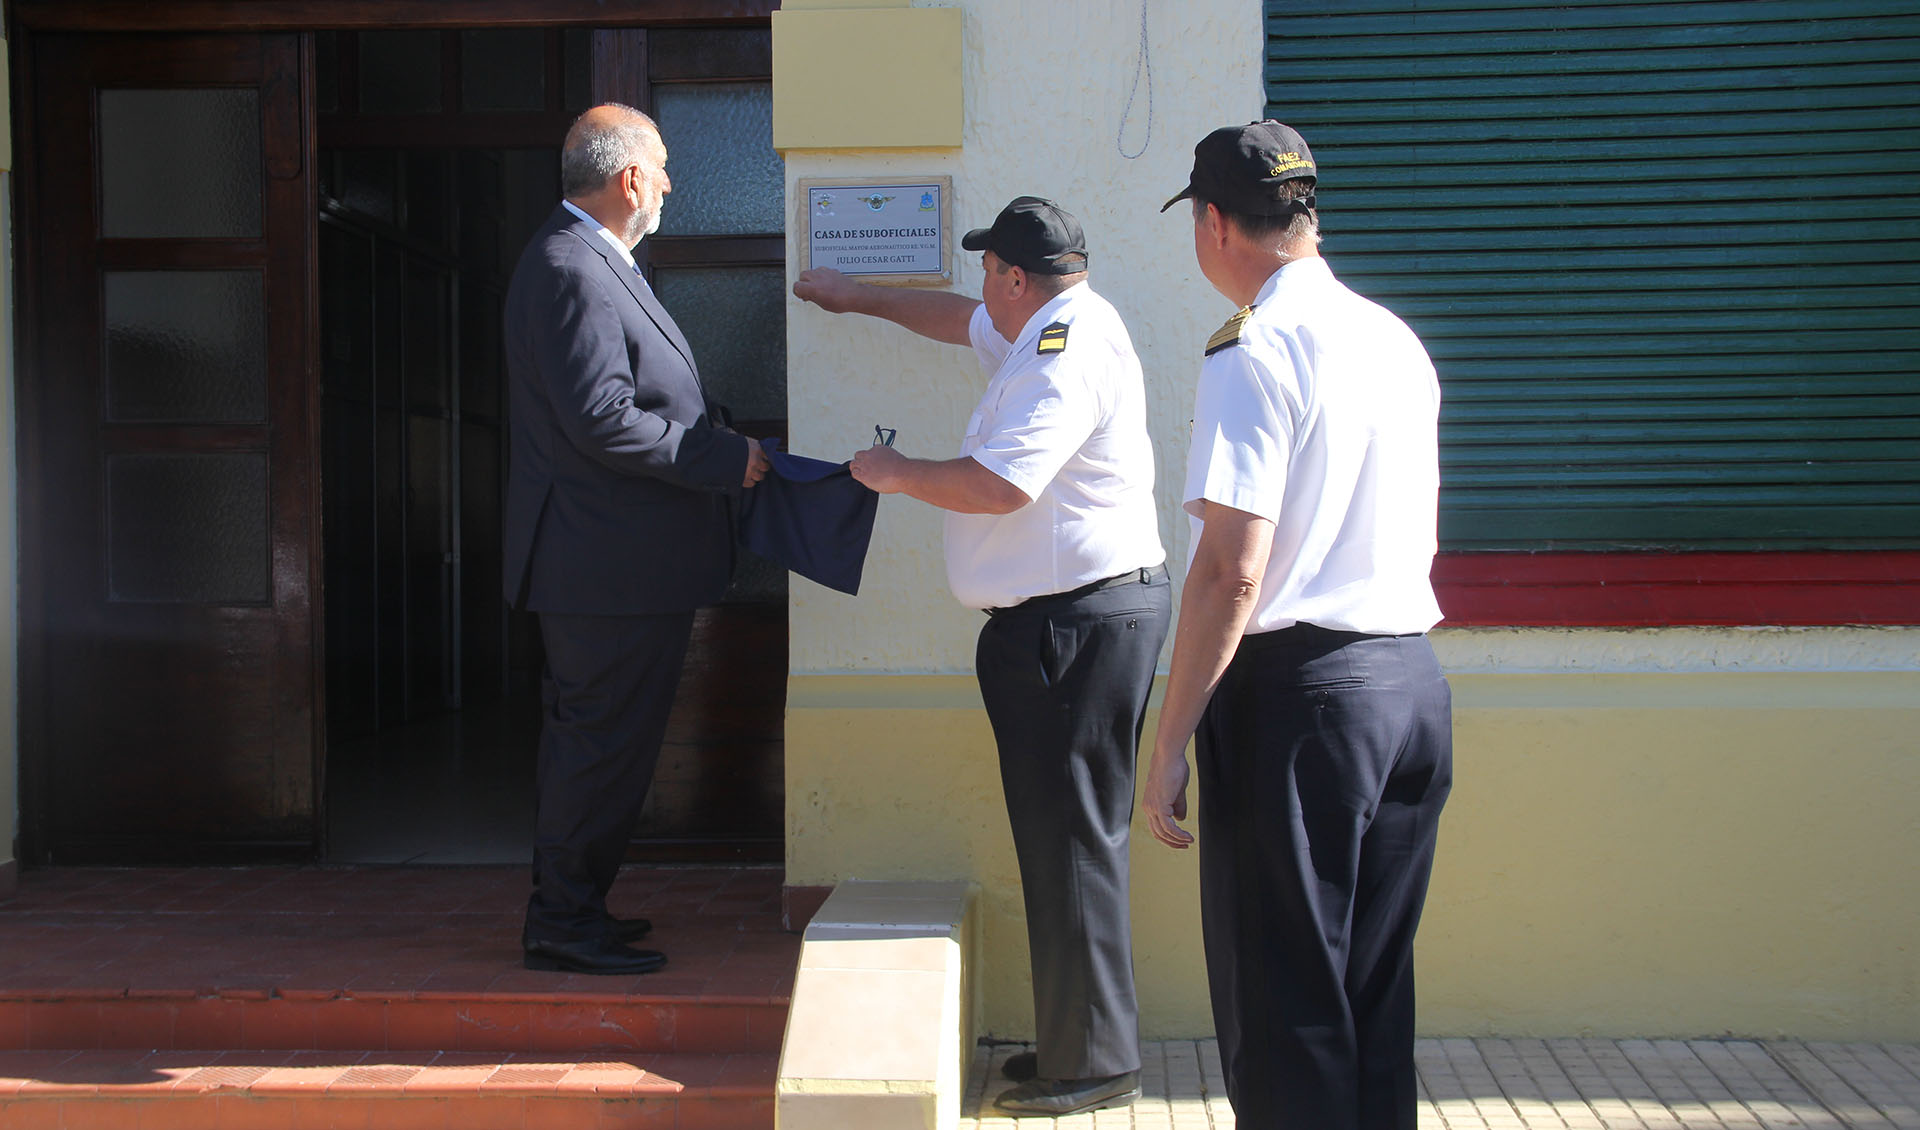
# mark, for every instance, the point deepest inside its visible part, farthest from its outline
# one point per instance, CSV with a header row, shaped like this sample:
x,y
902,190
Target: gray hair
x,y
598,146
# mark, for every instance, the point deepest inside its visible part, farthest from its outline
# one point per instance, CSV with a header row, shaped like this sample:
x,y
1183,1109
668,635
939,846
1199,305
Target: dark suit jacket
x,y
616,490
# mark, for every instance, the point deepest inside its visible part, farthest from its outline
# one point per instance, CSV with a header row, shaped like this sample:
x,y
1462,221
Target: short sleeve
x,y
987,342
1043,416
1243,433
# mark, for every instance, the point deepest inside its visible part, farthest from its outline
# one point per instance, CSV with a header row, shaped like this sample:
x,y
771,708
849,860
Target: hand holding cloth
x,y
811,516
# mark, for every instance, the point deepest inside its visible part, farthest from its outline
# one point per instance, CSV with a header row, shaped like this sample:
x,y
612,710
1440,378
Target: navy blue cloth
x,y
1324,760
811,516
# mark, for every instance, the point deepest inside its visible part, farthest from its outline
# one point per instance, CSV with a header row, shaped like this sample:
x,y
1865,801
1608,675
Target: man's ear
x,y
1215,223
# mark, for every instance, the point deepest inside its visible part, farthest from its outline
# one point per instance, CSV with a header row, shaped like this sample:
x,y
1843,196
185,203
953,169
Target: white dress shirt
x,y
1322,419
1068,426
606,233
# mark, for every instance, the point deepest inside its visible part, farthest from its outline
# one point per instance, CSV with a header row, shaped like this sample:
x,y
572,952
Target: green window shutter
x,y
1666,256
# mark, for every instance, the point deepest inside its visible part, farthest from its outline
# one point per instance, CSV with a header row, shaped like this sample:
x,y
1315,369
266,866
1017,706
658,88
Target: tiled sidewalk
x,y
1551,1085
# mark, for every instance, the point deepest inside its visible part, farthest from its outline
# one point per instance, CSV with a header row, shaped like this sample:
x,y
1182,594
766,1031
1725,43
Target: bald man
x,y
618,525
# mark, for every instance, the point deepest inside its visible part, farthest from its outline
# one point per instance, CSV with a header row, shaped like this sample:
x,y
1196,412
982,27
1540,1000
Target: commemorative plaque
x,y
884,230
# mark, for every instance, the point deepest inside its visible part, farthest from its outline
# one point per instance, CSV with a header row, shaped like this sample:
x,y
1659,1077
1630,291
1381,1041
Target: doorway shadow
x,y
456,788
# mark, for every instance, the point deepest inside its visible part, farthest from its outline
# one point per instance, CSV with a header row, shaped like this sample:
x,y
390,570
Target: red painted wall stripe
x,y
1654,589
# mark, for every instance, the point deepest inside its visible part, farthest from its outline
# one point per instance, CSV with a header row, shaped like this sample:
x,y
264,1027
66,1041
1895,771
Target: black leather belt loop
x,y
1143,576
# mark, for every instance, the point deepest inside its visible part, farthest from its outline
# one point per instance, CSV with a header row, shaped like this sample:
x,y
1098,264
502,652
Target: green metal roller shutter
x,y
1666,256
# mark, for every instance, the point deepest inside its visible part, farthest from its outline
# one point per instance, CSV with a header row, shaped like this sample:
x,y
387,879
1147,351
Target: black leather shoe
x,y
628,929
1054,1098
595,955
1021,1066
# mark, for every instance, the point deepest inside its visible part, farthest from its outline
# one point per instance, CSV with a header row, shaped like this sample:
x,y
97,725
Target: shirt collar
x,y
613,241
1300,269
1045,314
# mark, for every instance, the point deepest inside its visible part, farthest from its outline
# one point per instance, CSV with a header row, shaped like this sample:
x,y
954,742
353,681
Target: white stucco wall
x,y
1045,86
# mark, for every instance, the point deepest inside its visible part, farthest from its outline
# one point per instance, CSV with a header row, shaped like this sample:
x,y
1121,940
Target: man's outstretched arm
x,y
961,485
938,314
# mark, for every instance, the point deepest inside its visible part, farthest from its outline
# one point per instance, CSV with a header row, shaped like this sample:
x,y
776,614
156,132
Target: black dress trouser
x,y
607,691
1324,760
1065,680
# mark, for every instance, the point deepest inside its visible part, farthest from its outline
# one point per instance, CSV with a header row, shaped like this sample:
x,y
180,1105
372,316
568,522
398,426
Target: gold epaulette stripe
x,y
1053,339
1229,334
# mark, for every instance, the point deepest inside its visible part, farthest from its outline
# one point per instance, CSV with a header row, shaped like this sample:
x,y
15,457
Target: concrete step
x,y
249,1090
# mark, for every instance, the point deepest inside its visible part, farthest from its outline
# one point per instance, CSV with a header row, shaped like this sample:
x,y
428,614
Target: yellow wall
x,y
834,71
1680,854
1670,854
1670,832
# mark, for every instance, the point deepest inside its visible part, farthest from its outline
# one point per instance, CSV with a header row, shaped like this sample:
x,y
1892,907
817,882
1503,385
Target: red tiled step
x,y
555,1022
431,1091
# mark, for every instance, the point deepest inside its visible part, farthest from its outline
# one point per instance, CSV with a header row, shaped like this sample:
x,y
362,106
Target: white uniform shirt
x,y
1322,419
1067,426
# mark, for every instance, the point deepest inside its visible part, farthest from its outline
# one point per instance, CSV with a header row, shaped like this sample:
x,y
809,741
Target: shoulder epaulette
x,y
1229,334
1053,339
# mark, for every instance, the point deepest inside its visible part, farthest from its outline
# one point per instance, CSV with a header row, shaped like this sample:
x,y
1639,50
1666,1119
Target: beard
x,y
641,224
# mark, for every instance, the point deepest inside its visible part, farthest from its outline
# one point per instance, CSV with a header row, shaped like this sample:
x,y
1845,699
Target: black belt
x,y
1303,634
1142,576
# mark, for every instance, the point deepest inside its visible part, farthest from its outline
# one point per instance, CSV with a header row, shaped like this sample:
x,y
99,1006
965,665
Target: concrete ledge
x,y
881,1031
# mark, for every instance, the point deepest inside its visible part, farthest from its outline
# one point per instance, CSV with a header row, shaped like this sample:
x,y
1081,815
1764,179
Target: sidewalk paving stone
x,y
1565,1084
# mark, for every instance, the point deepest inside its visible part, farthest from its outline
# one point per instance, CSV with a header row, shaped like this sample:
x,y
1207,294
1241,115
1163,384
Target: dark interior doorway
x,y
438,158
432,690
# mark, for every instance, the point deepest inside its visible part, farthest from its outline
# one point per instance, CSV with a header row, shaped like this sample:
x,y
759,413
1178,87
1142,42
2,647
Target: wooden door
x,y
718,266
168,421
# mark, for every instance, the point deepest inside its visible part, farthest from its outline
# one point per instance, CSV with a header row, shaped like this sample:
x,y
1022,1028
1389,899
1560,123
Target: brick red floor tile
x,y
63,1024
209,1022
225,1075
724,1114
451,1079
34,1114
250,1112
421,1024
335,1114
138,1023
279,1024
491,1026
186,1114
719,1028
117,1114
374,1077
693,1072
753,1073
16,1068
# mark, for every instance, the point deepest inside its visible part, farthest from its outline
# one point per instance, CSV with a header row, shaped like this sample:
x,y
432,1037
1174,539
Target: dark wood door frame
x,y
619,66
289,424
305,15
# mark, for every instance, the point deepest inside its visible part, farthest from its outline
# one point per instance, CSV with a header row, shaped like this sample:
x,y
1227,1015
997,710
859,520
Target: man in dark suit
x,y
618,524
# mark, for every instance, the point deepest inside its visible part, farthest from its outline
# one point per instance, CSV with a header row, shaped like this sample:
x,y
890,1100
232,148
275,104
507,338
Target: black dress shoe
x,y
1021,1066
1054,1098
595,955
628,929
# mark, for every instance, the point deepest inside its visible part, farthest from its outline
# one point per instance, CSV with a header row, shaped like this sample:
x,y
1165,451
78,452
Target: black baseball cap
x,y
1241,168
1034,235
